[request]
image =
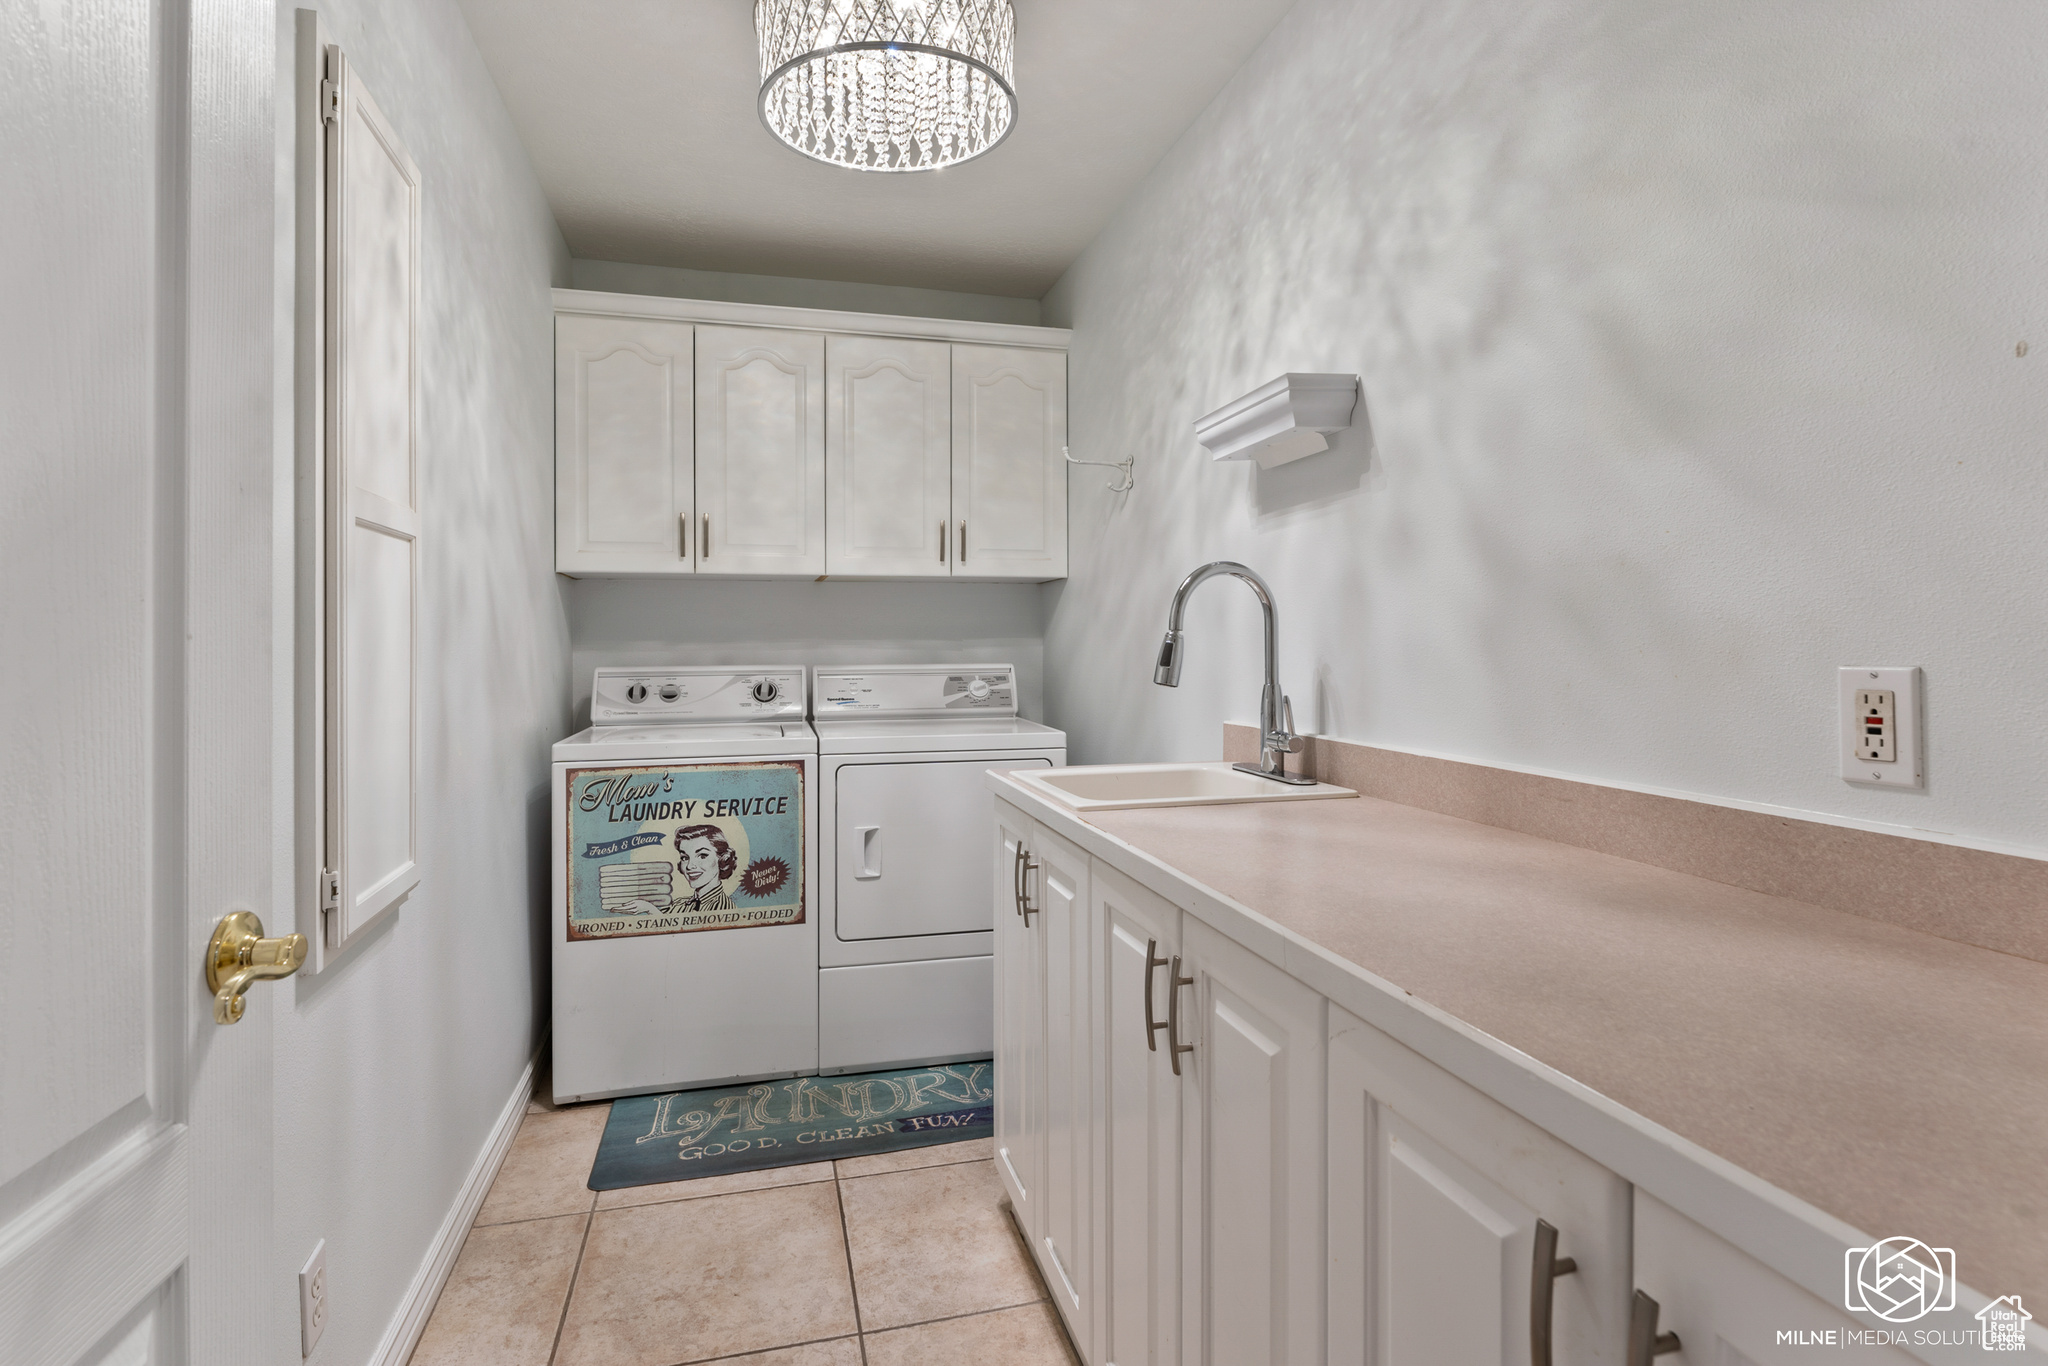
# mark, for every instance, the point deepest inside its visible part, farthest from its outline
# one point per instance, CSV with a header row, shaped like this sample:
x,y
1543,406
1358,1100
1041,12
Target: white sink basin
x,y
1108,787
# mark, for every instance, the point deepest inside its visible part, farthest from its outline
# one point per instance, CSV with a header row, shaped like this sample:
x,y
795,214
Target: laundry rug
x,y
723,1129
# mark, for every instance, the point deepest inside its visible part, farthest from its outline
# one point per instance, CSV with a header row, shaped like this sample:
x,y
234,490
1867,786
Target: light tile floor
x,y
904,1259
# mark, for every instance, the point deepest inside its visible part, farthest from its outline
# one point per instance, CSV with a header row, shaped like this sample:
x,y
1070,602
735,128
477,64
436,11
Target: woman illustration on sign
x,y
706,861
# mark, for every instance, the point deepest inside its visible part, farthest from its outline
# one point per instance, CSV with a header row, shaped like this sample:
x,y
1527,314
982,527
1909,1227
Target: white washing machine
x,y
685,883
906,936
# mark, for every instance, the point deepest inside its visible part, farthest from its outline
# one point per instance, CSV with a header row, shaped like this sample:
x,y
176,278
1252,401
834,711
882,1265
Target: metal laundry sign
x,y
685,847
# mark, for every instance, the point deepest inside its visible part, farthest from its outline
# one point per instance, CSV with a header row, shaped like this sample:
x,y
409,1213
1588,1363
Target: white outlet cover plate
x,y
1906,772
313,1299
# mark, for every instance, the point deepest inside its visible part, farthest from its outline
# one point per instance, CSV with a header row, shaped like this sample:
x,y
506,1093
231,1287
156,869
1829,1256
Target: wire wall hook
x,y
1124,482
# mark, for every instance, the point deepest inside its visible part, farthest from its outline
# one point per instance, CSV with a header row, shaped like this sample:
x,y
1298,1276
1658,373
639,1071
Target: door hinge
x,y
330,101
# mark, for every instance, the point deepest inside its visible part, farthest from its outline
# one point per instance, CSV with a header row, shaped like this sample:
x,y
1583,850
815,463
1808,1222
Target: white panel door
x,y
1728,1309
908,857
623,436
1435,1194
1138,1100
760,452
1056,897
1009,473
1252,1179
888,457
1020,1027
138,721
373,550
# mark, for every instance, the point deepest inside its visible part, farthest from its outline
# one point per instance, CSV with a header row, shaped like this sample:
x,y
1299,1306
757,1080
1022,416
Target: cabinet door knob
x,y
1645,1343
1174,1047
1152,1026
1544,1270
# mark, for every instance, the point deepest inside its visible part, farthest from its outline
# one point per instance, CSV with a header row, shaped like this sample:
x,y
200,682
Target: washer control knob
x,y
670,692
766,690
978,689
636,692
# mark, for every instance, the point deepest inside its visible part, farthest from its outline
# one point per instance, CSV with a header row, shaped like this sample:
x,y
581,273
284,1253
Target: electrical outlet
x,y
313,1299
1880,727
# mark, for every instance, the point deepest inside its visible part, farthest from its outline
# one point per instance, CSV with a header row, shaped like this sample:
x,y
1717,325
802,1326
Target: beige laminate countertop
x,y
1894,1080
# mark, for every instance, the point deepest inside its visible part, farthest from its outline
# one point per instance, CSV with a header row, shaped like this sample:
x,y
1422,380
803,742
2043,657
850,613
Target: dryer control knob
x,y
766,691
978,689
636,692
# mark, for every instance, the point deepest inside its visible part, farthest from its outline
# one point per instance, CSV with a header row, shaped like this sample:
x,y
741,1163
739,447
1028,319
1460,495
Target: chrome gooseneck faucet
x,y
1276,740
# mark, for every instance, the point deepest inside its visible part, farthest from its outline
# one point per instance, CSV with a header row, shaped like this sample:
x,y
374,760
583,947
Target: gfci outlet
x,y
313,1299
1880,725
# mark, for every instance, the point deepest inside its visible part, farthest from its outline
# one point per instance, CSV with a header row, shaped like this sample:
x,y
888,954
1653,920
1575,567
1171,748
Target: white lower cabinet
x,y
1436,1193
1252,1181
1304,1188
1020,1028
1056,901
1137,1126
1728,1309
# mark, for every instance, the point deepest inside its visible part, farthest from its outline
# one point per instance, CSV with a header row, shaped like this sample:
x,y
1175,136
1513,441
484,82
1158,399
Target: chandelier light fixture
x,y
888,85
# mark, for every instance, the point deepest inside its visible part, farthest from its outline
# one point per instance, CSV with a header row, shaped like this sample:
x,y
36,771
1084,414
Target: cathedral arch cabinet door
x,y
1009,466
1252,1179
623,433
888,457
760,452
1435,1195
1137,1127
1056,878
1020,1026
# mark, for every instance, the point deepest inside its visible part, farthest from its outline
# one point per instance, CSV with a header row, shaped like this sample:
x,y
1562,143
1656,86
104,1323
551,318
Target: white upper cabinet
x,y
752,441
622,446
760,451
1009,472
888,457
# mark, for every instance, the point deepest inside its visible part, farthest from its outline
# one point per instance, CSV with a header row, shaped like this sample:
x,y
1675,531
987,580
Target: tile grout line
x,y
954,1318
763,1351
555,1347
852,1282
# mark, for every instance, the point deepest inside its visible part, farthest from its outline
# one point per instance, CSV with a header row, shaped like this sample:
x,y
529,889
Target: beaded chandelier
x,y
887,85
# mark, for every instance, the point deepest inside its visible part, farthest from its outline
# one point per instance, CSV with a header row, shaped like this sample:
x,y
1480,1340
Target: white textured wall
x,y
1688,338
731,621
393,1064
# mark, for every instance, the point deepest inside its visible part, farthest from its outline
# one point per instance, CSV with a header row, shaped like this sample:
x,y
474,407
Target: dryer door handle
x,y
870,837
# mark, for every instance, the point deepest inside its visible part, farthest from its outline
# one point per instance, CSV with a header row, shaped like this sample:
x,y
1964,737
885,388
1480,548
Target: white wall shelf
x,y
1282,420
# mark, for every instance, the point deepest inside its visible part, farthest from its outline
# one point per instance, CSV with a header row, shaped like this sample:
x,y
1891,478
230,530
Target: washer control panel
x,y
916,690
621,696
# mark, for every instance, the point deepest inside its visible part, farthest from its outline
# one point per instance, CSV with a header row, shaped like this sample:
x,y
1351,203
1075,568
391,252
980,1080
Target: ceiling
x,y
640,119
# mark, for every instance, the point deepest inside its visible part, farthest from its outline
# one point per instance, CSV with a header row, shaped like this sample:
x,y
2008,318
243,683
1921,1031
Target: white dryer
x,y
906,937
685,887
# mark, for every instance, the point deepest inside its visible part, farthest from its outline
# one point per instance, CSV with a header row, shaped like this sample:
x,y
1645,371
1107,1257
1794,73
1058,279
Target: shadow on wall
x,y
785,622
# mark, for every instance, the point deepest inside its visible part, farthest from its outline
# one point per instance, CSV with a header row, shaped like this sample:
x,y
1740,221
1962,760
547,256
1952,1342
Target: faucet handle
x,y
1284,739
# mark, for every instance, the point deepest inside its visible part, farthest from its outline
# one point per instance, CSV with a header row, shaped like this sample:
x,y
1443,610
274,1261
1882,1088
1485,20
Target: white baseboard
x,y
417,1306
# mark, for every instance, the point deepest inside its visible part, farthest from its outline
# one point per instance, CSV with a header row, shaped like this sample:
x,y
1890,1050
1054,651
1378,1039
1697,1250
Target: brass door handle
x,y
239,955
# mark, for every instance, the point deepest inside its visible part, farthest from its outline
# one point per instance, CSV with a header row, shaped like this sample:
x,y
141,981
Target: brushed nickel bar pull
x,y
1645,1343
1030,866
942,541
1174,1047
1017,878
963,540
683,538
1152,1026
704,541
1546,1267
